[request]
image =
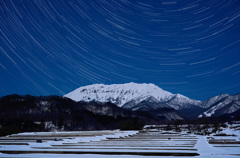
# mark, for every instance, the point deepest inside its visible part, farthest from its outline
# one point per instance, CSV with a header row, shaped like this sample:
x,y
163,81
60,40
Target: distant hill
x,y
49,113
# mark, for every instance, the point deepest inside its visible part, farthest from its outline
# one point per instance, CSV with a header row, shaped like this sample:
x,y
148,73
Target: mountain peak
x,y
120,94
180,96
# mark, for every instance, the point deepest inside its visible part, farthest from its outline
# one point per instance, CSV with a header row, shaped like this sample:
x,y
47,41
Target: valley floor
x,y
116,144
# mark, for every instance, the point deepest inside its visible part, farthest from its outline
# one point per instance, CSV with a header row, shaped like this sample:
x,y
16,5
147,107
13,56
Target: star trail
x,y
183,46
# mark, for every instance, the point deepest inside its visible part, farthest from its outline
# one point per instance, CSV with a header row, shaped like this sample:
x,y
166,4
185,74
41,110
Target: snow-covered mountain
x,y
147,97
213,100
221,104
181,102
131,94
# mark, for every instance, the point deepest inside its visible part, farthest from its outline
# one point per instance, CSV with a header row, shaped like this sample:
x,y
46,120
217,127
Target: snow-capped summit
x,y
118,93
121,94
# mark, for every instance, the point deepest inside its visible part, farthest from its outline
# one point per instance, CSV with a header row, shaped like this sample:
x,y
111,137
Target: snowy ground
x,y
115,144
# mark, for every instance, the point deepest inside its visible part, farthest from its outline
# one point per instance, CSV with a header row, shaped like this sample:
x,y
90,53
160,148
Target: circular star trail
x,y
52,47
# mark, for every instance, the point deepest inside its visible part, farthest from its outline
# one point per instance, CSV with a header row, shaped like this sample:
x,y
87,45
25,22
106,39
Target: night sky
x,y
191,47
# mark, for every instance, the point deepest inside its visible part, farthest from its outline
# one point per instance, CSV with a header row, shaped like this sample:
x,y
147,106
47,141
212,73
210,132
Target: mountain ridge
x,y
147,97
121,94
221,104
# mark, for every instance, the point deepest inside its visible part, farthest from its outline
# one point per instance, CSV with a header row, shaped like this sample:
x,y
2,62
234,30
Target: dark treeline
x,y
47,113
203,126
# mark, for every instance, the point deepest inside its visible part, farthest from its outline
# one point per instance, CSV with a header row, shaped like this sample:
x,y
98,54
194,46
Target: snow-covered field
x,y
115,144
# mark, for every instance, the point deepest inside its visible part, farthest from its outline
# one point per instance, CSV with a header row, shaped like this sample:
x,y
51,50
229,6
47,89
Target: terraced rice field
x,y
111,144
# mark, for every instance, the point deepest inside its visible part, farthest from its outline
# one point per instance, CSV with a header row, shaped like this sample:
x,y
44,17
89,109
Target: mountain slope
x,y
130,94
213,100
166,114
222,104
179,102
148,104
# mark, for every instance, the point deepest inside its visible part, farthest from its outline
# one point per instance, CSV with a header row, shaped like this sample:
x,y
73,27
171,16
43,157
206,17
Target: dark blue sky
x,y
191,47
